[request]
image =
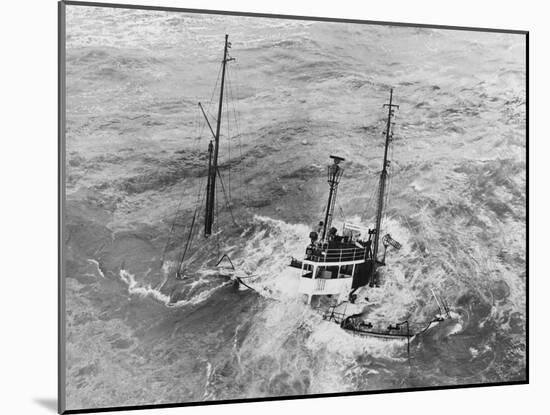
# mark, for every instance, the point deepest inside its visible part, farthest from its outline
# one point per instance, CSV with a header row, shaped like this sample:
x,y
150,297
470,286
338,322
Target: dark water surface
x,y
299,91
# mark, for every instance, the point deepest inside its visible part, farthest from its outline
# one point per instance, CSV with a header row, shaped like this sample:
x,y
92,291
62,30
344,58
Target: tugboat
x,y
336,266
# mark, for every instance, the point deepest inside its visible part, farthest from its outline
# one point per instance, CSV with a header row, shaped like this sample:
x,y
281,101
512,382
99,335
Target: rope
x,y
226,200
188,240
342,212
171,230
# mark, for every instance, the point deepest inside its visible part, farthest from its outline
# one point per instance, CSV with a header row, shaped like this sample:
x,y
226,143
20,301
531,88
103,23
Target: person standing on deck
x,y
319,228
369,250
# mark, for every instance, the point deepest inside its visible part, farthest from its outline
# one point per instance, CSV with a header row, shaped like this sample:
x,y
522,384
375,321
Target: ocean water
x,y
297,92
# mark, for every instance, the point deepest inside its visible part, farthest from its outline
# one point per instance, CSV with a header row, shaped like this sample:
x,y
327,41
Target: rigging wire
x,y
228,135
190,235
227,201
200,198
214,92
370,203
390,175
201,124
234,101
171,230
388,188
342,212
176,215
227,195
322,214
217,225
239,135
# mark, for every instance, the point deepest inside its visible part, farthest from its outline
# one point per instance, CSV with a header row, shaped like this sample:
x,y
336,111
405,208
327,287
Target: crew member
x,y
313,237
369,250
319,229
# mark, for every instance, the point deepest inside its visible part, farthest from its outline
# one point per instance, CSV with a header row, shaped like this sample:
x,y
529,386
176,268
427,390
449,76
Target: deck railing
x,y
337,254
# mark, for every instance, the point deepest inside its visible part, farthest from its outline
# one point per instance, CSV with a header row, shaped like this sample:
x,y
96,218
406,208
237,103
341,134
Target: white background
x,y
28,230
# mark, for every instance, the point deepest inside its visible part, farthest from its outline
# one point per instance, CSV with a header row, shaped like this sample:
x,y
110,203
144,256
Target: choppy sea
x,y
298,91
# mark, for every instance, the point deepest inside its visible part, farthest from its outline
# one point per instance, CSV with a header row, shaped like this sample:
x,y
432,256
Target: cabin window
x,y
307,274
327,272
346,269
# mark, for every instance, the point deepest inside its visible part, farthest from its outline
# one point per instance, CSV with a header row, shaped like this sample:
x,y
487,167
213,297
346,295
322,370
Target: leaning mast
x,y
213,153
383,177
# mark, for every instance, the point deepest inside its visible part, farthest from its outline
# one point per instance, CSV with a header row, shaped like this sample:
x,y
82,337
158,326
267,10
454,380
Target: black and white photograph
x,y
259,207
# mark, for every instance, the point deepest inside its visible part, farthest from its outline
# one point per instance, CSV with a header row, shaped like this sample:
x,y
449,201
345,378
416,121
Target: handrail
x,y
342,258
324,254
342,249
335,261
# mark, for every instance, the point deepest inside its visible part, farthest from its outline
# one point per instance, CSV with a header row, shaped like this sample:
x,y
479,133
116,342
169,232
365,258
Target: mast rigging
x,y
383,177
213,152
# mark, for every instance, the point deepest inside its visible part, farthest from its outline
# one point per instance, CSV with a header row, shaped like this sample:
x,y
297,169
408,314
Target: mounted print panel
x,y
258,207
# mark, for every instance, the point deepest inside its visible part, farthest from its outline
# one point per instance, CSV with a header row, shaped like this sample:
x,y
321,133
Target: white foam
x,y
457,328
207,383
96,263
277,241
148,291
